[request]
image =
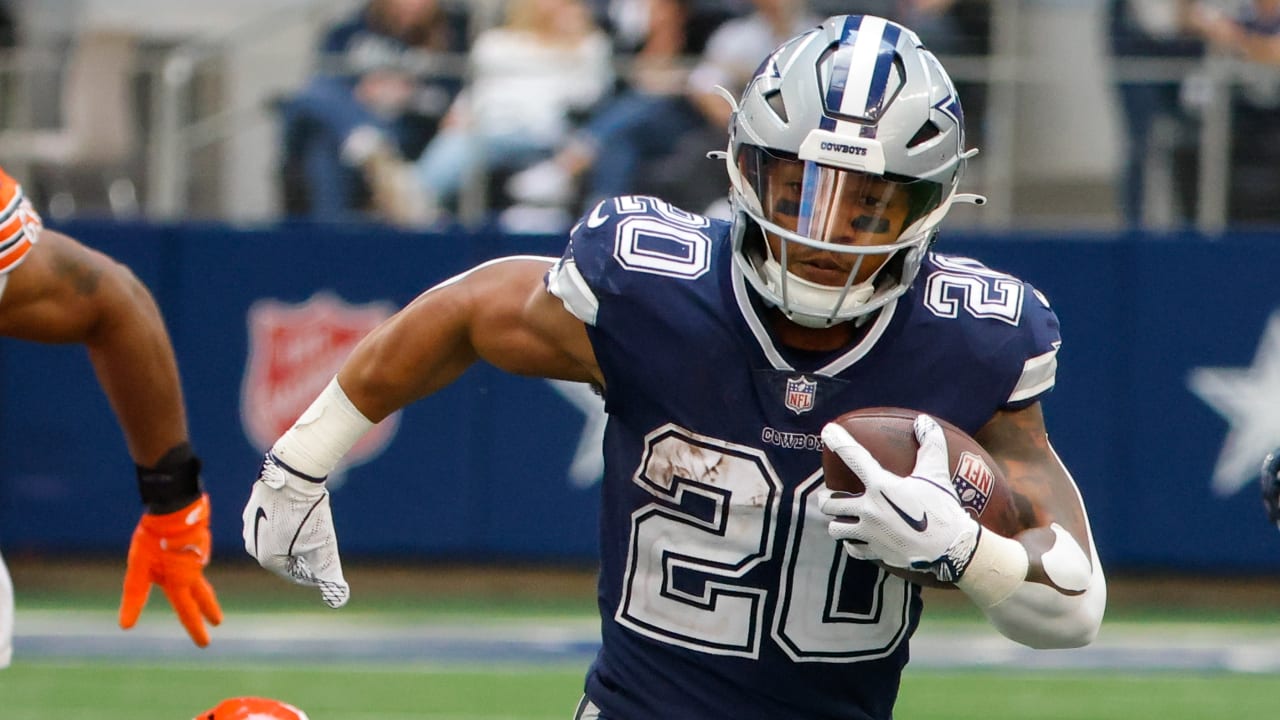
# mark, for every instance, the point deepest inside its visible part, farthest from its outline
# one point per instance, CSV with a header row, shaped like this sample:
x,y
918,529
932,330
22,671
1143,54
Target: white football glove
x,y
288,529
914,522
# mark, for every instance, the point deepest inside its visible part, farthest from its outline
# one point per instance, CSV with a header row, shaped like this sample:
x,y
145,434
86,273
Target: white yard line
x,y
335,638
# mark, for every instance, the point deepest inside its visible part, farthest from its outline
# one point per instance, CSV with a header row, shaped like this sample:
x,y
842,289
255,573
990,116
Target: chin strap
x,y
801,292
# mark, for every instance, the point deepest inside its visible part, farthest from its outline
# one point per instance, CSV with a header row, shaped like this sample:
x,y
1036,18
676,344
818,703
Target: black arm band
x,y
173,483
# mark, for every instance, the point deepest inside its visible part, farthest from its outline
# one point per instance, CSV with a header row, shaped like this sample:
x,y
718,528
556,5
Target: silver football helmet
x,y
845,152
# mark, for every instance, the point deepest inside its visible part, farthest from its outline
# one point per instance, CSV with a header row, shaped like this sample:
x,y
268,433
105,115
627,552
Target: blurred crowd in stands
x,y
564,102
1162,115
417,112
569,101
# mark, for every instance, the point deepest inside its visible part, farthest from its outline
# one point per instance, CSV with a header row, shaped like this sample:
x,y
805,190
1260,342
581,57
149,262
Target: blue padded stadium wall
x,y
491,468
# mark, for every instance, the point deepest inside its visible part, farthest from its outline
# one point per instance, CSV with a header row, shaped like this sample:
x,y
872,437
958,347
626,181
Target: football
x,y
889,435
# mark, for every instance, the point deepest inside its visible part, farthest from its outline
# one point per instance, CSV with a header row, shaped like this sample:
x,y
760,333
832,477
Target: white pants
x,y
6,615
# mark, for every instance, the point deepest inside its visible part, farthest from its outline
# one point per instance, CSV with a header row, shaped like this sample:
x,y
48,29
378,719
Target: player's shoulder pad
x,y
986,293
1001,312
629,234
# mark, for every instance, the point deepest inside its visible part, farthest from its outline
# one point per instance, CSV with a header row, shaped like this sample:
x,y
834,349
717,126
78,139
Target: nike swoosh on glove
x,y
172,550
913,522
288,529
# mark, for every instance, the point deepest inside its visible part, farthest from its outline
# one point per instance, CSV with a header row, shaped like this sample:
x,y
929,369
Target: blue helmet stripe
x,y
840,68
880,76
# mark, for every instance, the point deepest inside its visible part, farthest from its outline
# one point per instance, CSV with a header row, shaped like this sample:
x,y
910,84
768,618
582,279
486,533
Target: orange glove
x,y
171,551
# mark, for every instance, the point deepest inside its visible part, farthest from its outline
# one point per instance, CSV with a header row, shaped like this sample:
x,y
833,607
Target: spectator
x,y
641,26
1153,29
933,20
1253,35
7,28
383,85
651,120
8,38
528,77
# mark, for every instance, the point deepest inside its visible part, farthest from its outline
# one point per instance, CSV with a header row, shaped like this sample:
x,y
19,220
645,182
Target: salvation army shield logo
x,y
800,393
294,351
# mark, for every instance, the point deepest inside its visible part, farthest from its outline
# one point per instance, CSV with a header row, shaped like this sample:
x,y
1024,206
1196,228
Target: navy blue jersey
x,y
721,593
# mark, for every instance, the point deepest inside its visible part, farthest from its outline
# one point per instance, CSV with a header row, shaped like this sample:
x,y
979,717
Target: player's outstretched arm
x,y
67,293
1059,599
499,312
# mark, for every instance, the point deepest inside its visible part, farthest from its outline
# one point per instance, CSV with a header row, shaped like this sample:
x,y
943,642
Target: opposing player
x,y
55,290
1269,483
252,708
721,348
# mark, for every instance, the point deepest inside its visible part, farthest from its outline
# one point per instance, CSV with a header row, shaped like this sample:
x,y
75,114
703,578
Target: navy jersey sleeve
x,y
1041,340
996,334
637,272
633,247
581,275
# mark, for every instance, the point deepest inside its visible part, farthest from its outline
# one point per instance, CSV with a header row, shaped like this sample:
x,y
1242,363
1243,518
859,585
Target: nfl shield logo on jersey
x,y
294,350
800,393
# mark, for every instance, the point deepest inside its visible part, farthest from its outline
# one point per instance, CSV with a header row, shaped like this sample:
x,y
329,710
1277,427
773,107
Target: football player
x,y
721,349
1269,481
55,290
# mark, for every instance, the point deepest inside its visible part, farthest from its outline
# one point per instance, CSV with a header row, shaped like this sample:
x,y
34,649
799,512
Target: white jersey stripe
x,y
565,281
1038,375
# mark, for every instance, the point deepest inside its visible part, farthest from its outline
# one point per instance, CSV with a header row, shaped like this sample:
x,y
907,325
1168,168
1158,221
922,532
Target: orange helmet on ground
x,y
252,708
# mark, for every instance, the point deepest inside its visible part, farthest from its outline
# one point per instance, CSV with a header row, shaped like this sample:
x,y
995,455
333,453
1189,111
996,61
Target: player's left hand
x,y
1269,481
913,522
172,550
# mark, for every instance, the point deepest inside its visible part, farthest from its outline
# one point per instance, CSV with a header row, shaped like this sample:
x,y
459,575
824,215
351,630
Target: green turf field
x,y
115,691
960,669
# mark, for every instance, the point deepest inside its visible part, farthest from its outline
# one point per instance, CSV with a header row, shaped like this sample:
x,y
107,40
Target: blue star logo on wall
x,y
1249,399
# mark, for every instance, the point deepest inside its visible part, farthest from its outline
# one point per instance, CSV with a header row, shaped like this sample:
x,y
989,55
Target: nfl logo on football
x,y
973,482
800,394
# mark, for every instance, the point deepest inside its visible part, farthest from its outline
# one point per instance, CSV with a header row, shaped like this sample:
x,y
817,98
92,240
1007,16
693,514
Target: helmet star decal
x,y
951,106
1246,398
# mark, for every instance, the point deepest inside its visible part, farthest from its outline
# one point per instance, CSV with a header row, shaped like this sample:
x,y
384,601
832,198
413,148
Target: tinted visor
x,y
829,204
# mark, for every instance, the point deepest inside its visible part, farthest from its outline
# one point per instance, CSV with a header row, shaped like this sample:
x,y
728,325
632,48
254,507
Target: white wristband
x,y
999,565
323,434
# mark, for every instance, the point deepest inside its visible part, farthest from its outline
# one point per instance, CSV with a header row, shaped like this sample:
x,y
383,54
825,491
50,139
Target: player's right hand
x,y
171,550
914,522
288,529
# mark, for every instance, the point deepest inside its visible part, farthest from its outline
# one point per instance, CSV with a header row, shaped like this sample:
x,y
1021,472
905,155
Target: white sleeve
x,y
6,616
1066,614
1042,617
